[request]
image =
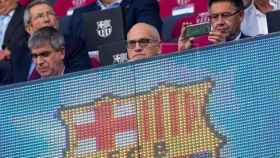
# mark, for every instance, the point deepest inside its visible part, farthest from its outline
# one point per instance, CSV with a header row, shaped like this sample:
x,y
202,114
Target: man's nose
x,y
220,20
39,60
46,17
138,47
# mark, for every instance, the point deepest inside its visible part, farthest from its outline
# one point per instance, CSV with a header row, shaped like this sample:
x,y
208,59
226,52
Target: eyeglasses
x,y
143,42
43,15
44,54
226,15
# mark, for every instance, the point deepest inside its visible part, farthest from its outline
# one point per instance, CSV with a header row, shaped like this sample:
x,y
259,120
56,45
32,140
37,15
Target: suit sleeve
x,y
76,57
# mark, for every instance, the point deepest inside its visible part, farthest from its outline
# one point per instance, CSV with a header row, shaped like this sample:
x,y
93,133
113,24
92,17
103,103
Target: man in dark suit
x,y
225,17
146,11
11,33
15,31
48,52
39,14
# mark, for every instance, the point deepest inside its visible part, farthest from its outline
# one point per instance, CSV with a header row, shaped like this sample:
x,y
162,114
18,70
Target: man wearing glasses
x,y
143,41
225,17
47,51
39,14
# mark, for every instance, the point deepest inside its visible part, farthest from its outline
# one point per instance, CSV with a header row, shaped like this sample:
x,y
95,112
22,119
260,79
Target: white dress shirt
x,y
103,6
4,22
255,22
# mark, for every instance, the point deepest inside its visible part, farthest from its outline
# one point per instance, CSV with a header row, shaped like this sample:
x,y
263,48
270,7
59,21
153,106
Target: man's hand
x,y
216,37
183,41
5,54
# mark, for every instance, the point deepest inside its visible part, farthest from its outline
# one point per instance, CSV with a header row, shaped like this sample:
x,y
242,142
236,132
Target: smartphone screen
x,y
197,30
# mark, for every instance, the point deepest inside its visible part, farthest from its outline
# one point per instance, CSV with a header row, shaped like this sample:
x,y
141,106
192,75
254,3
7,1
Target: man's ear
x,y
157,48
29,29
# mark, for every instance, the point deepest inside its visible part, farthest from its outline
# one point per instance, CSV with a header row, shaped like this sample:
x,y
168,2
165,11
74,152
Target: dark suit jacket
x,y
135,11
76,59
5,69
243,36
15,32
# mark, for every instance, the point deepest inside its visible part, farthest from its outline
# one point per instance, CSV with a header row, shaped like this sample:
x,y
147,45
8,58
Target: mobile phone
x,y
197,30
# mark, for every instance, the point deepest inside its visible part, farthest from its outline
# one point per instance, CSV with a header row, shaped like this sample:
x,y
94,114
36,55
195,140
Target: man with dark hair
x,y
39,14
225,17
47,49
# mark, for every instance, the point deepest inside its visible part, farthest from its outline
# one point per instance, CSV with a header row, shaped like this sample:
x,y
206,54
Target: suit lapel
x,y
126,4
243,35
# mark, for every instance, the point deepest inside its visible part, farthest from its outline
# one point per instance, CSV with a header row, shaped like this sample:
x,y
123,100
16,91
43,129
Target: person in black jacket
x,y
39,14
135,11
12,32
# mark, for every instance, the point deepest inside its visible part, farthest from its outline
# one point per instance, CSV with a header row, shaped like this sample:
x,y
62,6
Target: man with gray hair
x,y
47,50
143,41
39,14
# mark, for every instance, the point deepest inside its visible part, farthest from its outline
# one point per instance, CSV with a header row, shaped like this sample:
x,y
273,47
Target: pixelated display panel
x,y
221,101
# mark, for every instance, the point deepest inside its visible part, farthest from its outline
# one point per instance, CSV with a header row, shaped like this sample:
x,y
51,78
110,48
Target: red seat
x,y
24,2
199,15
94,59
168,47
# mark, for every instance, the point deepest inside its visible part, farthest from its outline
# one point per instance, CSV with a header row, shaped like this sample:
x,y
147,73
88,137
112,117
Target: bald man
x,y
143,41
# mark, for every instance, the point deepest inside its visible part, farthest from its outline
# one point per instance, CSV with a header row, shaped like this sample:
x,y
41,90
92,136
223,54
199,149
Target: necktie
x,y
34,75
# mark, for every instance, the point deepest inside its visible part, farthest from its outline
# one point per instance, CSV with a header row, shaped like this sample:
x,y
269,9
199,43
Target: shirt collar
x,y
63,71
237,37
106,6
10,14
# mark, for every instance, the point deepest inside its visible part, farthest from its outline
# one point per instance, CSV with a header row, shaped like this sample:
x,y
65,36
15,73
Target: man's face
x,y
225,18
6,6
140,44
42,15
48,61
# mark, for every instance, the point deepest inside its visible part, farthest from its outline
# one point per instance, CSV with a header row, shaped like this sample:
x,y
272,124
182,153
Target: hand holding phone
x,y
189,32
216,37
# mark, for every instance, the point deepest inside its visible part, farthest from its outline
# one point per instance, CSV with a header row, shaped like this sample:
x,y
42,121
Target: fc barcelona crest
x,y
104,28
167,121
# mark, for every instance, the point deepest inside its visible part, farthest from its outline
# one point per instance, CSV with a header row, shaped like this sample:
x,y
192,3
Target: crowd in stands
x,y
32,46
